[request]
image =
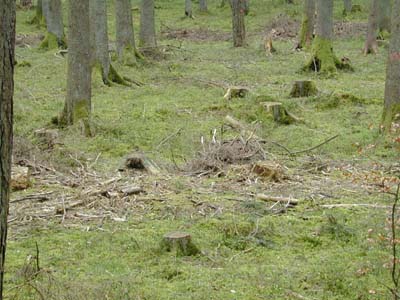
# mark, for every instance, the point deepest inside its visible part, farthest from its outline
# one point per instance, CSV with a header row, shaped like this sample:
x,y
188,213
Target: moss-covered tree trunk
x,y
188,8
348,5
99,43
307,25
38,19
147,34
79,76
384,15
55,37
45,10
371,45
7,60
238,25
391,109
203,6
125,39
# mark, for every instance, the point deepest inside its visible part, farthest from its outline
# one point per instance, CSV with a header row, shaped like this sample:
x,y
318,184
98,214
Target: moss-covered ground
x,y
109,248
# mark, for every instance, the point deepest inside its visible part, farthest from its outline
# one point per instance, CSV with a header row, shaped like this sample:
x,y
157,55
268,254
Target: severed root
x,y
236,92
180,242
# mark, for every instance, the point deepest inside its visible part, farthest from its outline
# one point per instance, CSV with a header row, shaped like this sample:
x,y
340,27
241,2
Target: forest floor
x,y
77,233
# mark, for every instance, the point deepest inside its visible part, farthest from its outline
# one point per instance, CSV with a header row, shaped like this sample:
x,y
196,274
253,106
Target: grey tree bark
x,y
99,42
307,26
238,25
203,5
55,26
188,8
45,9
125,39
147,34
391,109
384,15
371,45
348,5
79,76
7,61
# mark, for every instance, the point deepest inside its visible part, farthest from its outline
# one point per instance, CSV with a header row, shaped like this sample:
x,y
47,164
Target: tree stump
x,y
180,242
236,92
139,162
303,89
20,178
279,113
47,137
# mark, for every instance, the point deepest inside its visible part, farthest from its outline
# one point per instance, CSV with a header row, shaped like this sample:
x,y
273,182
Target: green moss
x,y
390,114
323,58
303,33
51,41
82,113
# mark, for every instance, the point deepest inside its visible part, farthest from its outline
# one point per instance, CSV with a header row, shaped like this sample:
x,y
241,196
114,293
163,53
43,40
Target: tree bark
x,y
307,26
38,19
147,34
384,11
125,40
203,5
45,10
7,61
348,5
188,8
371,45
238,26
391,109
99,43
78,100
55,37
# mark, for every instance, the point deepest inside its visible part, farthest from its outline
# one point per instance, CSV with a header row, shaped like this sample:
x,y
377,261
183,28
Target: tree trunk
x,y
99,43
147,35
238,26
323,59
188,8
25,3
391,109
203,5
307,26
7,60
55,37
347,7
371,45
384,22
45,10
125,40
78,100
38,19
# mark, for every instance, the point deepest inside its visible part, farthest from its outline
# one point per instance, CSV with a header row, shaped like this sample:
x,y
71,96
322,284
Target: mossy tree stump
x,y
180,242
303,89
279,113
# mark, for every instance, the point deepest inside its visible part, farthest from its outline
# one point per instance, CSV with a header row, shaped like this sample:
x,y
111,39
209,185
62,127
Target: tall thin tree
x,y
79,76
384,15
55,26
307,25
371,44
147,34
7,60
238,25
391,109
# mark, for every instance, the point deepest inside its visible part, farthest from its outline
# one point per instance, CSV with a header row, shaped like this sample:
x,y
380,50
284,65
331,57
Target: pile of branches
x,y
217,155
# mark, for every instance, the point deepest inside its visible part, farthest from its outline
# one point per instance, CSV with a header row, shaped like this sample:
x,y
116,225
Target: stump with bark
x,y
180,243
303,89
236,92
279,113
20,178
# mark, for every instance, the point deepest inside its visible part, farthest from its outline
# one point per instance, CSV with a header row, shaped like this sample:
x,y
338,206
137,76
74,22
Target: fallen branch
x,y
34,197
267,198
353,205
317,146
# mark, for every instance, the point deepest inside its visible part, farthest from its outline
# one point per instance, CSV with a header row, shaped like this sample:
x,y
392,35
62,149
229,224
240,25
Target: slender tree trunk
x,y
7,60
45,9
384,15
238,26
371,45
147,34
188,8
78,100
99,43
38,19
55,37
307,26
203,5
348,5
125,40
391,109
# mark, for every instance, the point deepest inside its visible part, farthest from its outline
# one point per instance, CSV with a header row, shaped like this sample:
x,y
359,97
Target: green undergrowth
x,y
247,252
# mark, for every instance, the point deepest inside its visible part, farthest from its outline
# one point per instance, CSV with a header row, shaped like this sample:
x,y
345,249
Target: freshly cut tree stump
x,y
20,178
279,113
303,89
181,242
236,92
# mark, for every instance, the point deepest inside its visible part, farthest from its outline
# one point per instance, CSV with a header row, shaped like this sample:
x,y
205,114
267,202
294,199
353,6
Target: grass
x,y
248,253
